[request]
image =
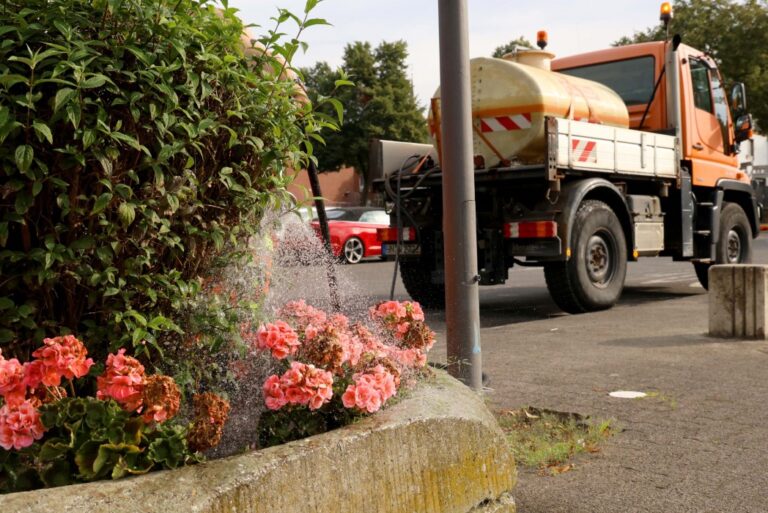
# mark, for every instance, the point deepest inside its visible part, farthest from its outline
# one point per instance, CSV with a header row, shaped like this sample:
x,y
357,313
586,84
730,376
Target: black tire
x,y
416,276
734,242
593,278
353,251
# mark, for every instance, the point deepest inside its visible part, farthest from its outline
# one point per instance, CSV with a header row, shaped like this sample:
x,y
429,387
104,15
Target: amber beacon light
x,y
541,39
665,12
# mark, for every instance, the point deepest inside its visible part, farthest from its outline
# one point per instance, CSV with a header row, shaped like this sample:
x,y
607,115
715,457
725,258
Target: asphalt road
x,y
696,445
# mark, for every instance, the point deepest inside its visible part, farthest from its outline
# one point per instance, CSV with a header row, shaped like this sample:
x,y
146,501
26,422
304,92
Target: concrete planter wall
x,y
437,451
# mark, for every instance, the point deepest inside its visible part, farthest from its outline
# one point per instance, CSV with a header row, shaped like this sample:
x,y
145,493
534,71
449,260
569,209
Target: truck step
x,y
705,233
707,204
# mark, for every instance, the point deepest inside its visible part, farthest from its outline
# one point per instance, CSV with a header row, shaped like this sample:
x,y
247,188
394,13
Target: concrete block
x,y
438,450
738,301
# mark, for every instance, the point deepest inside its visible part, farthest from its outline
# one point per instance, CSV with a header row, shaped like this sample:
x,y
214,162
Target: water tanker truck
x,y
582,164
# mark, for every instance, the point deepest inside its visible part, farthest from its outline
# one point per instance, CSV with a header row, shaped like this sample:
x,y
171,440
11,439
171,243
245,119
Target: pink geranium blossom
x,y
20,426
279,338
300,314
62,357
301,385
370,391
123,380
34,372
12,387
274,396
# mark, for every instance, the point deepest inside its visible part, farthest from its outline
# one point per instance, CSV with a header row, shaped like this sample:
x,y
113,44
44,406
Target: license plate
x,y
405,249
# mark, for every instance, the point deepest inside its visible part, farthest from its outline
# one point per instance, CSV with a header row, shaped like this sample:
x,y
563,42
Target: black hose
x,y
398,222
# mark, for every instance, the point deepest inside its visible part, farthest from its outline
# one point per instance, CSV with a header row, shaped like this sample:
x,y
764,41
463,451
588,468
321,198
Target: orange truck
x,y
582,164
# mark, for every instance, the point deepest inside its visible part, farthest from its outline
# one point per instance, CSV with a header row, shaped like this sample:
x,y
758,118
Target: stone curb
x,y
439,450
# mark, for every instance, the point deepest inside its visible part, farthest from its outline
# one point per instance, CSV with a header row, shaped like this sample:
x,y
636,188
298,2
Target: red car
x,y
353,232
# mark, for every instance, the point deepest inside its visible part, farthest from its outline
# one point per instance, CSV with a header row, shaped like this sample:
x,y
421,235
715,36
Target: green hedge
x,y
138,148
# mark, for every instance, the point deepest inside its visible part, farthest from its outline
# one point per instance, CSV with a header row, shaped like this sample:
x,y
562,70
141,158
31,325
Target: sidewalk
x,y
698,445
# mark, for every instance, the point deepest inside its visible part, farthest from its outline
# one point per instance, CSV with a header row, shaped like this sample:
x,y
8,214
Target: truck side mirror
x,y
743,128
738,100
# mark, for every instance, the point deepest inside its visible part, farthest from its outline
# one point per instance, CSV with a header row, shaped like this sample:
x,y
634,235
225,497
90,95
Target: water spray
x,y
333,282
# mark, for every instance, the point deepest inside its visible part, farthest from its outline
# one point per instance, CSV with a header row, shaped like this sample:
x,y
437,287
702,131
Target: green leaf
x,y
127,213
63,96
96,80
6,303
101,202
315,21
8,81
339,108
130,141
310,5
43,132
24,156
89,135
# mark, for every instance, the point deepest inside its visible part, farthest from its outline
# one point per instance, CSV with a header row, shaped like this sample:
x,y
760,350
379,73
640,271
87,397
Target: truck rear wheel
x,y
734,242
416,277
593,278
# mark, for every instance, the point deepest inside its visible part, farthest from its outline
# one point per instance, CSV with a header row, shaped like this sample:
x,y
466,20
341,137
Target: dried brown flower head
x,y
211,413
161,398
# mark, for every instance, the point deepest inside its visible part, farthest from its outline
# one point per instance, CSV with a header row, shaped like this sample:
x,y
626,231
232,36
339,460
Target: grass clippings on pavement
x,y
546,440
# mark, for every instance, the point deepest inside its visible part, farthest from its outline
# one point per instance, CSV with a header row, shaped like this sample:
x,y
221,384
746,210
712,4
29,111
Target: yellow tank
x,y
511,97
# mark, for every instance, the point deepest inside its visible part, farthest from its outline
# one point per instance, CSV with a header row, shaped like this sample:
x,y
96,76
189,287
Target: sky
x,y
574,26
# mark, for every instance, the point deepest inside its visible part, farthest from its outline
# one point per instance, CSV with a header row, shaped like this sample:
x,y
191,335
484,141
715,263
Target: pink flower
x,y
20,426
410,357
301,314
34,372
279,338
12,381
389,311
123,380
370,391
274,397
63,357
413,308
301,385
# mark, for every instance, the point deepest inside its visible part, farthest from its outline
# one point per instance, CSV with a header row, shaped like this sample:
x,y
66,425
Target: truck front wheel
x,y
416,277
593,277
734,242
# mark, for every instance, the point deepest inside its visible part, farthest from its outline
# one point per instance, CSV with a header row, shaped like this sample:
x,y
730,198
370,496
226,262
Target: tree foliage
x,y
735,34
381,104
520,42
138,148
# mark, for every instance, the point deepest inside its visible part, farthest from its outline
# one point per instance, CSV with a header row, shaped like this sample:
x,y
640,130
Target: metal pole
x,y
333,283
459,226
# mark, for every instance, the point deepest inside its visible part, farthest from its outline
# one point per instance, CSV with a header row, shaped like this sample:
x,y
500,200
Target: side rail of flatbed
x,y
585,146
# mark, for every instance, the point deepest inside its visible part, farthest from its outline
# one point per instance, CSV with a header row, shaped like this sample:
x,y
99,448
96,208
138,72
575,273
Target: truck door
x,y
709,136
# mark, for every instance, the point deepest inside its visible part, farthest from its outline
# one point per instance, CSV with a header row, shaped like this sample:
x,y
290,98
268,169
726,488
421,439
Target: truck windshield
x,y
632,79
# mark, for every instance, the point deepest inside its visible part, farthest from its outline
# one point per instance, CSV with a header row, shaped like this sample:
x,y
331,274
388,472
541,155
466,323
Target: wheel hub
x,y
733,247
353,251
599,263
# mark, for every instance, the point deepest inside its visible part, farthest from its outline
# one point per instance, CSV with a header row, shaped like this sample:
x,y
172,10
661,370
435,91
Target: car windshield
x,y
357,215
375,217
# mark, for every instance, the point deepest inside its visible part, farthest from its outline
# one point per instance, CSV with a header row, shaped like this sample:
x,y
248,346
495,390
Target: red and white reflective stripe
x,y
531,230
506,123
583,150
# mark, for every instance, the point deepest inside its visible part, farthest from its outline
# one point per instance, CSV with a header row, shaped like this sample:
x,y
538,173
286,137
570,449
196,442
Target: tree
x,y
515,44
381,104
733,33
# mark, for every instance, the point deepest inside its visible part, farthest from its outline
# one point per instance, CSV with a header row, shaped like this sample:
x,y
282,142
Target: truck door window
x,y
632,79
721,103
702,95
